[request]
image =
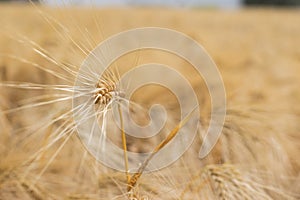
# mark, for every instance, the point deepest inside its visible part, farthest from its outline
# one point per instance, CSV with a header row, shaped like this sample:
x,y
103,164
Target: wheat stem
x,y
170,136
124,143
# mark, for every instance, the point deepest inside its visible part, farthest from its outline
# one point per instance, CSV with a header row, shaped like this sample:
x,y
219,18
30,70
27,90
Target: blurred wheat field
x,y
257,52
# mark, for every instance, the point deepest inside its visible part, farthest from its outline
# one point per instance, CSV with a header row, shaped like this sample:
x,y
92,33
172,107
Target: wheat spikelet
x,y
104,92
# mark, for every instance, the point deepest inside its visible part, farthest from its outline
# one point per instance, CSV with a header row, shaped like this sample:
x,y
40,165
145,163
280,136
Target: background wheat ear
x,y
224,182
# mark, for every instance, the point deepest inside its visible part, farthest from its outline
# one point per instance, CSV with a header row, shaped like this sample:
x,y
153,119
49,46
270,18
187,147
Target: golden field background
x,y
258,55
